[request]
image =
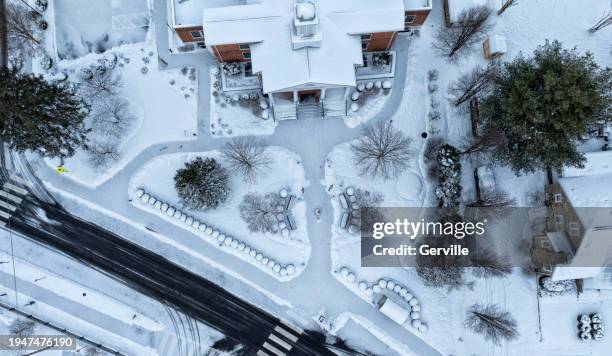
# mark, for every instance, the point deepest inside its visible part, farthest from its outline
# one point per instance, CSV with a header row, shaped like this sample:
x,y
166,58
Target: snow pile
x,y
369,99
215,236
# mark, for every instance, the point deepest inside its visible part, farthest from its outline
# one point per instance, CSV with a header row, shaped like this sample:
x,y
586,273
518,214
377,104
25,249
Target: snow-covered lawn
x,y
231,114
94,26
157,179
526,26
560,324
169,120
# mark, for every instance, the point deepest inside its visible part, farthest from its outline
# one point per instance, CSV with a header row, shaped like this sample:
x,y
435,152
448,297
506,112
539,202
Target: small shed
x,y
495,46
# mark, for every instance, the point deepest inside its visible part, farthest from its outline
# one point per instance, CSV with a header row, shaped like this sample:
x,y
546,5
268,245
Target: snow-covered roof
x,y
588,190
189,12
394,311
267,27
417,5
497,44
589,187
455,7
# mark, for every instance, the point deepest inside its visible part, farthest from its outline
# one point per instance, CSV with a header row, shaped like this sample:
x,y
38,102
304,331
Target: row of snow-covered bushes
x,y
370,289
448,190
222,239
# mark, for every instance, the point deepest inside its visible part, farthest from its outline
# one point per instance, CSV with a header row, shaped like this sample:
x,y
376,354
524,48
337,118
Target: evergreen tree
x,y
202,184
543,104
41,116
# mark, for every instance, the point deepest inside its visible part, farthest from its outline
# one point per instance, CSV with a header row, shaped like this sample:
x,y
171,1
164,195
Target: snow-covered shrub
x,y
202,184
354,107
232,69
387,84
450,277
381,59
434,115
550,288
46,62
432,88
355,96
433,75
448,190
42,25
41,5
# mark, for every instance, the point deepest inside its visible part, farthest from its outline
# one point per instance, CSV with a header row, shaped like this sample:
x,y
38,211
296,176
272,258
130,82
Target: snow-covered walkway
x,y
312,139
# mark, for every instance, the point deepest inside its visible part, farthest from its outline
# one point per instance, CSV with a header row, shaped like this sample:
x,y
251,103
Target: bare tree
x,y
91,351
605,21
496,199
471,25
487,263
22,327
4,48
259,212
505,5
102,154
112,117
470,84
104,83
494,323
247,156
22,29
489,141
382,151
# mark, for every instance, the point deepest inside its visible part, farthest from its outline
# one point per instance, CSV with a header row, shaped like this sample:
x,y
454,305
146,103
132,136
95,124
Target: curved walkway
x,y
312,139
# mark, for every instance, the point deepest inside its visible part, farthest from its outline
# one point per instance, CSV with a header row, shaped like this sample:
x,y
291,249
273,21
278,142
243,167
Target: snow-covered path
x,y
312,139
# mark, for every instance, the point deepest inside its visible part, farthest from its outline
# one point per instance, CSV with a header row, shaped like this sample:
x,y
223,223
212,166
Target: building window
x,y
246,55
547,268
559,221
366,37
574,228
558,198
244,47
196,34
409,19
202,44
364,45
545,244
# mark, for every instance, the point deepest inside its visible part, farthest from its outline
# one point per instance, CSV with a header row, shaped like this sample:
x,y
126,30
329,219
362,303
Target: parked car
x,y
485,181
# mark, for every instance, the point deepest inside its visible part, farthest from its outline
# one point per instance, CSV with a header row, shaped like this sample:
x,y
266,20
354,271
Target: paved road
x,y
159,278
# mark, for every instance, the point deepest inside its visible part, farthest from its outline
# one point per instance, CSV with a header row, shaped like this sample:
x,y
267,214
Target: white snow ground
x,y
525,26
171,119
286,172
